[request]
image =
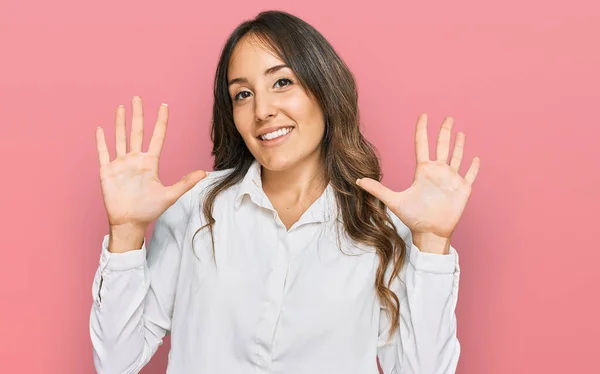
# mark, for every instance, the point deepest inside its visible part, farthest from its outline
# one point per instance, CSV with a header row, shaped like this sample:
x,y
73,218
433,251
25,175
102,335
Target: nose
x,y
264,108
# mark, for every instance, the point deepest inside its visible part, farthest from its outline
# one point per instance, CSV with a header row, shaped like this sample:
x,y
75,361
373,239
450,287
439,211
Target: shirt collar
x,y
322,210
250,185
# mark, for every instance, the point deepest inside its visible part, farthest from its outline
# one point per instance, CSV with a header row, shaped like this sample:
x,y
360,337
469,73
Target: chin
x,y
283,158
276,163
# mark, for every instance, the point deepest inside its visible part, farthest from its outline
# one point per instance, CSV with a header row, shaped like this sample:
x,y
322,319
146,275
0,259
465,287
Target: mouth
x,y
276,137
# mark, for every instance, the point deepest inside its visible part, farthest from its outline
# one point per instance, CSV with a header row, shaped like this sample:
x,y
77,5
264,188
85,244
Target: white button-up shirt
x,y
272,300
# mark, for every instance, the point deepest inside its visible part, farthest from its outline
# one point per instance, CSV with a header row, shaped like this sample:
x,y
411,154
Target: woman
x,y
290,257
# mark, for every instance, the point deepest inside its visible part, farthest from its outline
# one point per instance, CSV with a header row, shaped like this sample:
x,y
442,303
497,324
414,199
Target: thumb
x,y
186,183
377,189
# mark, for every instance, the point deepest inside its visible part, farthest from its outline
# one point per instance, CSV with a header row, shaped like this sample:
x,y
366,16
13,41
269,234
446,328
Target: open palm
x,y
437,198
132,191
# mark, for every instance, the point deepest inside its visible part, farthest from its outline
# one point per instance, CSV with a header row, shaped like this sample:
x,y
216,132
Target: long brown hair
x,y
346,154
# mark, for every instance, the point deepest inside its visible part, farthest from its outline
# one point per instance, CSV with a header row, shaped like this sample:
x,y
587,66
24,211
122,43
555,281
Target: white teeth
x,y
276,133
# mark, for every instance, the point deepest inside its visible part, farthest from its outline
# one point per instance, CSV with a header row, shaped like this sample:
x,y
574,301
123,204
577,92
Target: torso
x,y
276,295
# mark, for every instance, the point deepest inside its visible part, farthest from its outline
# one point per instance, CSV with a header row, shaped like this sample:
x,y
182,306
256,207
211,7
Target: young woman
x,y
290,257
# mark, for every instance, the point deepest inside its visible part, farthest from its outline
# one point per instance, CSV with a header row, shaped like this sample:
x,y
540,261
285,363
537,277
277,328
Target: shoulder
x,y
183,207
194,198
401,227
199,190
406,236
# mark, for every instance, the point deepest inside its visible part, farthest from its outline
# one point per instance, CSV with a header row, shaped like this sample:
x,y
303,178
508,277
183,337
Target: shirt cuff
x,y
434,263
122,261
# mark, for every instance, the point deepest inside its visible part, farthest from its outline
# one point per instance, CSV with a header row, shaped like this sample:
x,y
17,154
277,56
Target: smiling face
x,y
280,123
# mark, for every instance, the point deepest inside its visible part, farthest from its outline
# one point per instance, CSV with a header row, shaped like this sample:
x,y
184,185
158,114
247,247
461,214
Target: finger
x,y
421,142
457,155
377,189
120,132
103,155
443,143
175,191
160,131
137,125
473,170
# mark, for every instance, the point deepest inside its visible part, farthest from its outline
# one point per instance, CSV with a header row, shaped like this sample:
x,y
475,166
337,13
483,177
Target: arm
x,y
134,293
427,287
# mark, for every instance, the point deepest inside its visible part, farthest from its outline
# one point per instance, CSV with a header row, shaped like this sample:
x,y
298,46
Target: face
x,y
280,123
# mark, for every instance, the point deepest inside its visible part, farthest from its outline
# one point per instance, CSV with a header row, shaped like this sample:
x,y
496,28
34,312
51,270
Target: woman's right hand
x,y
133,195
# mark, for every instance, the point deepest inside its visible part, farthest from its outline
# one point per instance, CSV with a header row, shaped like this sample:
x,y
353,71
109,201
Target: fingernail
x,y
358,181
165,104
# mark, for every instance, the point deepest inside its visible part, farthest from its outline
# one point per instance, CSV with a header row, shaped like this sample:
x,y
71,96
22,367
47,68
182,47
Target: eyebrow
x,y
271,70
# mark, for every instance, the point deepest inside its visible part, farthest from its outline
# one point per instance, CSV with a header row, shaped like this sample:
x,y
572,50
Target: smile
x,y
276,138
276,134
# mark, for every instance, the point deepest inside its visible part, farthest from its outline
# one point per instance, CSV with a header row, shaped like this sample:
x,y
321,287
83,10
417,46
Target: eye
x,y
280,82
286,80
242,93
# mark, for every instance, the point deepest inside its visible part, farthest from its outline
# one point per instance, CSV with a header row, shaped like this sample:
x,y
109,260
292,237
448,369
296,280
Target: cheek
x,y
243,123
300,106
305,111
314,116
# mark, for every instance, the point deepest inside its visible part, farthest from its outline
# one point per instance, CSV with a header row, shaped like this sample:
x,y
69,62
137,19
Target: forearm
x,y
429,321
122,339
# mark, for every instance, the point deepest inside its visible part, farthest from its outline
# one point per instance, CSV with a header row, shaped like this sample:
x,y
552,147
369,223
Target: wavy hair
x,y
346,154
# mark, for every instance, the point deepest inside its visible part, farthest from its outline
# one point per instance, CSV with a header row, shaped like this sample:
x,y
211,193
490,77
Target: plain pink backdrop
x,y
520,78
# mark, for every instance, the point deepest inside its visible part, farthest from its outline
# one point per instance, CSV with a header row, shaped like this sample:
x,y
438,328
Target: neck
x,y
305,181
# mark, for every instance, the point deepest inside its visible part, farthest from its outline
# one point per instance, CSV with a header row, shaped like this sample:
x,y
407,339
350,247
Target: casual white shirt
x,y
277,301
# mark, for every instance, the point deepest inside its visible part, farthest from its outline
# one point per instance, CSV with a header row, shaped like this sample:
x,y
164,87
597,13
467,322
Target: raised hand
x,y
436,200
133,195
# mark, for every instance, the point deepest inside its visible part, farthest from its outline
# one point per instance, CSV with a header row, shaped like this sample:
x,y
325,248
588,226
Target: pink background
x,y
520,78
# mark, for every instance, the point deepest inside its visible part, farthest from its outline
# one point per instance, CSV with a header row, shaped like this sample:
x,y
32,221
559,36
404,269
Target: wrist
x,y
431,243
124,238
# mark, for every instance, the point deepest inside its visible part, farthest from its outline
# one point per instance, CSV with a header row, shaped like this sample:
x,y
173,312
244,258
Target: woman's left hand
x,y
433,205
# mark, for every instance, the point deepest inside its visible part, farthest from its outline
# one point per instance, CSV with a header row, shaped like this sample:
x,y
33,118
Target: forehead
x,y
251,56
